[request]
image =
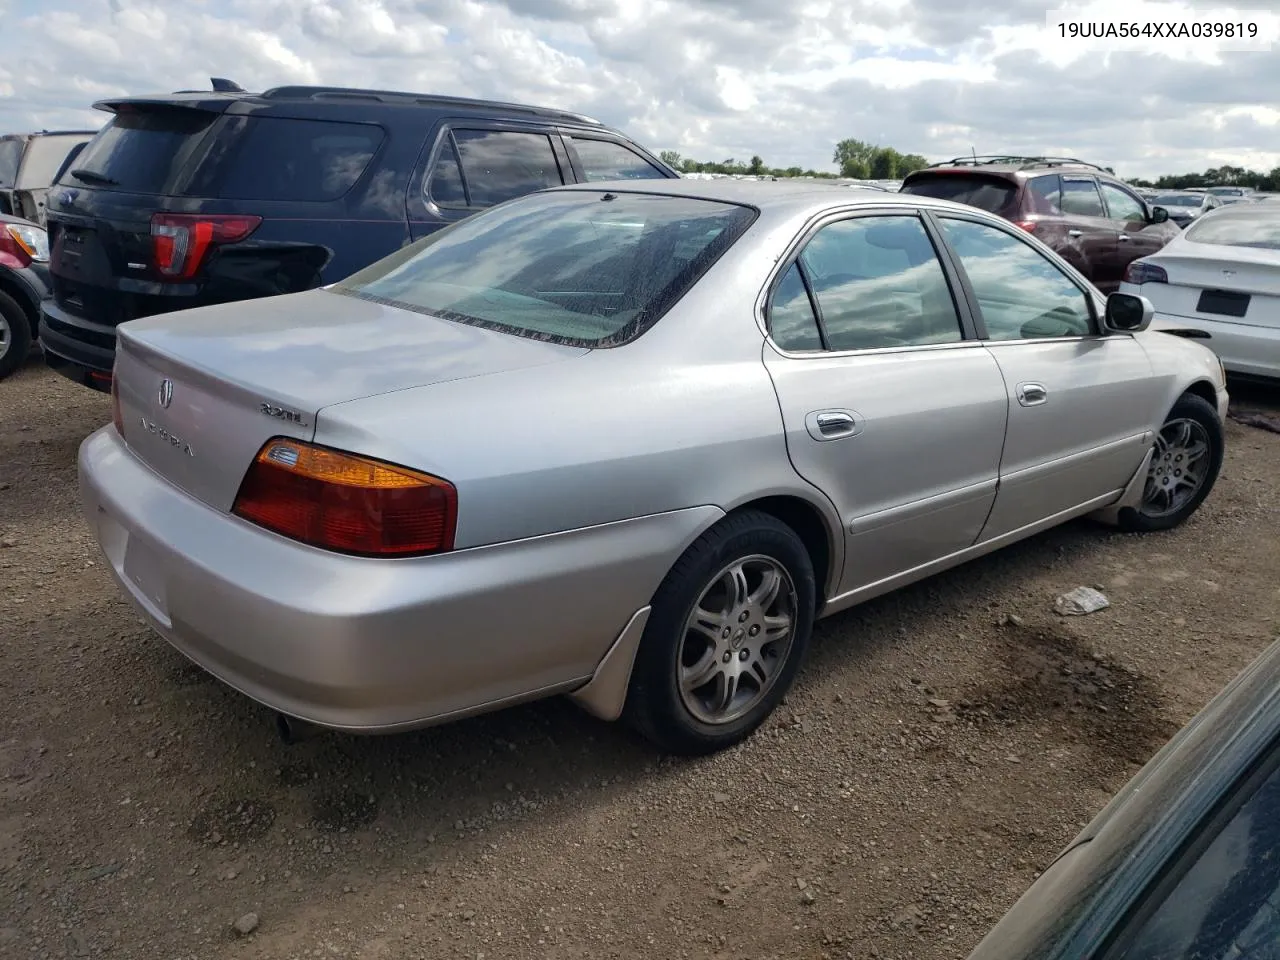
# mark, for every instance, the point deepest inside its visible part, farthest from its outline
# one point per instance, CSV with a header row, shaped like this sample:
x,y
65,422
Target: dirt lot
x,y
933,756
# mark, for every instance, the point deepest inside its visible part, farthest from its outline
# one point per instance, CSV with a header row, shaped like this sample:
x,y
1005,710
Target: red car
x,y
1092,219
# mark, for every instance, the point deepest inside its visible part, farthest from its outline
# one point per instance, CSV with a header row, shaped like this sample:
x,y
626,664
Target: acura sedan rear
x,y
625,442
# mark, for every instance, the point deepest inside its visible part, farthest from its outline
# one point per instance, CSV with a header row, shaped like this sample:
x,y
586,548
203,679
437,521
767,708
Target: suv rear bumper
x,y
76,347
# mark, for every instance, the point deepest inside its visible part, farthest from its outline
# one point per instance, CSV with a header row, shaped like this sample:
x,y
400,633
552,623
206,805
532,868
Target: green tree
x,y
671,158
757,166
853,157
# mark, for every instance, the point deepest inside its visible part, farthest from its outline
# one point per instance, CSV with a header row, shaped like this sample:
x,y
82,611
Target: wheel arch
x,y
813,526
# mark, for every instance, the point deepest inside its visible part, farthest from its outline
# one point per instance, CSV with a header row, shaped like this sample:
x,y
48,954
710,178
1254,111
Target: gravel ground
x,y
941,745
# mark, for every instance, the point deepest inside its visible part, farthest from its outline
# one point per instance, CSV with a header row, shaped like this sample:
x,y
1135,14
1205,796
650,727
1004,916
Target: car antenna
x,y
223,85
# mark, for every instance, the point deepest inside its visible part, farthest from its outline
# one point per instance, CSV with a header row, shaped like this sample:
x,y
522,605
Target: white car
x,y
1220,277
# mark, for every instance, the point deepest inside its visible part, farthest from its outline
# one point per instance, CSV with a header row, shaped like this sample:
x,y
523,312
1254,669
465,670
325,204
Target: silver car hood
x,y
201,390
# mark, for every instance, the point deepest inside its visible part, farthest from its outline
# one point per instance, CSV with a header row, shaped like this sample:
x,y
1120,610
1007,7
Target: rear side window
x,y
1080,198
273,158
993,194
10,157
479,168
575,267
1045,194
142,152
878,283
605,160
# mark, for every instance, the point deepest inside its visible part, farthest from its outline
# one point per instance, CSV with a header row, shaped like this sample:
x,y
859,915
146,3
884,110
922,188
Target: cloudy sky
x,y
711,78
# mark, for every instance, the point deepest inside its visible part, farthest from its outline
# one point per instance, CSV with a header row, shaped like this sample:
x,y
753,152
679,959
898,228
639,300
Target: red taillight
x,y
350,504
179,241
1027,225
1139,273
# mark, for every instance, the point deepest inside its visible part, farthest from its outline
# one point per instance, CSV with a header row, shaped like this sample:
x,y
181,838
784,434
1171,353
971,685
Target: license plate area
x,y
1224,303
144,575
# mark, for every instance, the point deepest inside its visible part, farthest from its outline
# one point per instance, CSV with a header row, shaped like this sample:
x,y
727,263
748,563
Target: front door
x,y
1079,401
891,406
1135,235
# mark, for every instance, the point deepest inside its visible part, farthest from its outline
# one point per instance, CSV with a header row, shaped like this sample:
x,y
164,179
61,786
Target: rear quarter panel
x,y
684,416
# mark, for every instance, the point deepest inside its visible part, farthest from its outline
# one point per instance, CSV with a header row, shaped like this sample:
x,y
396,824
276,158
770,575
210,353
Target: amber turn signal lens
x,y
347,503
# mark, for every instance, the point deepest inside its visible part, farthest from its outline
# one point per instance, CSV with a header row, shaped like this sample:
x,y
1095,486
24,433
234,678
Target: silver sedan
x,y
625,442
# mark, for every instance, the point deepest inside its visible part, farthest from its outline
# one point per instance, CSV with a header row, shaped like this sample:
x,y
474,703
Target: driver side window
x,y
1021,294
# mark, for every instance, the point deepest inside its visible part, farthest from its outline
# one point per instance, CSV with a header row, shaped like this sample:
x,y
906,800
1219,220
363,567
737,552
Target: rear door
x,y
1080,403
470,165
1089,230
891,407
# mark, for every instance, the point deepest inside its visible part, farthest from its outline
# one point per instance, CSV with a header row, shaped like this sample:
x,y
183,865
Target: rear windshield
x,y
1179,200
141,152
992,194
1225,230
197,154
10,157
575,267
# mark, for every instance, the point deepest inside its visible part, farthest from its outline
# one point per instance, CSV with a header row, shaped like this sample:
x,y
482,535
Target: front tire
x,y
727,632
1188,456
15,335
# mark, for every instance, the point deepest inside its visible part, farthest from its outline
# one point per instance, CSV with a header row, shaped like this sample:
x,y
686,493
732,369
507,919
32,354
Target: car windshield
x,y
1252,227
993,194
1178,200
577,267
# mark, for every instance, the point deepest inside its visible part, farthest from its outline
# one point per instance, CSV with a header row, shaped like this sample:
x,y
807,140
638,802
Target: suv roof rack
x,y
397,97
1022,163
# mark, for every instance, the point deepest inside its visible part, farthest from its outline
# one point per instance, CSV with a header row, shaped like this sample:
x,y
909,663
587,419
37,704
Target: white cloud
x,y
711,78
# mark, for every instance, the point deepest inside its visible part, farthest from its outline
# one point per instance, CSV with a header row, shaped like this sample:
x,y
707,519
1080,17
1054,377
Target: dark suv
x,y
1094,220
204,197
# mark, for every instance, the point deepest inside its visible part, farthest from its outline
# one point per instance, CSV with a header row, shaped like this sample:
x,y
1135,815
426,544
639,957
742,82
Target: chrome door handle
x,y
1123,237
1075,233
833,424
1032,394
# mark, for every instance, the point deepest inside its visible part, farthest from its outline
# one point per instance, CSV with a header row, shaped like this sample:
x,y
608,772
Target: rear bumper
x,y
1248,350
372,645
79,349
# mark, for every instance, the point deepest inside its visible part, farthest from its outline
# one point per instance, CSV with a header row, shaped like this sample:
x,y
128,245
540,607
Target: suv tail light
x,y
180,241
1027,225
347,503
1138,272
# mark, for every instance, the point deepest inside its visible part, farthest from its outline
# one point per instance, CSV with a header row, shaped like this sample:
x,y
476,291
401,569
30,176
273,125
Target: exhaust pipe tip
x,y
293,730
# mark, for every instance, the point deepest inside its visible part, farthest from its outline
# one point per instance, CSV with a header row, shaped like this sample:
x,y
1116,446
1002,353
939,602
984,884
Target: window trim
x,y
764,302
1183,859
1090,296
1146,213
575,161
419,195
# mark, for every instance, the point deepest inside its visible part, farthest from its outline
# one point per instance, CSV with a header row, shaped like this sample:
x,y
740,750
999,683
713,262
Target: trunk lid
x,y
239,374
1226,284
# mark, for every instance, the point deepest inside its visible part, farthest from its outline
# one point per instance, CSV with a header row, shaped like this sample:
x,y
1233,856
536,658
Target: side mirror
x,y
1127,313
1159,214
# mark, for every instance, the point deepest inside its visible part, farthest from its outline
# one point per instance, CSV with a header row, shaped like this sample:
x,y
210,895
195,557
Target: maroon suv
x,y
1095,221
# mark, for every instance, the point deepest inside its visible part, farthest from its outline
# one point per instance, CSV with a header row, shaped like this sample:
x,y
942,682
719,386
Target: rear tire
x,y
726,635
15,335
1188,456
